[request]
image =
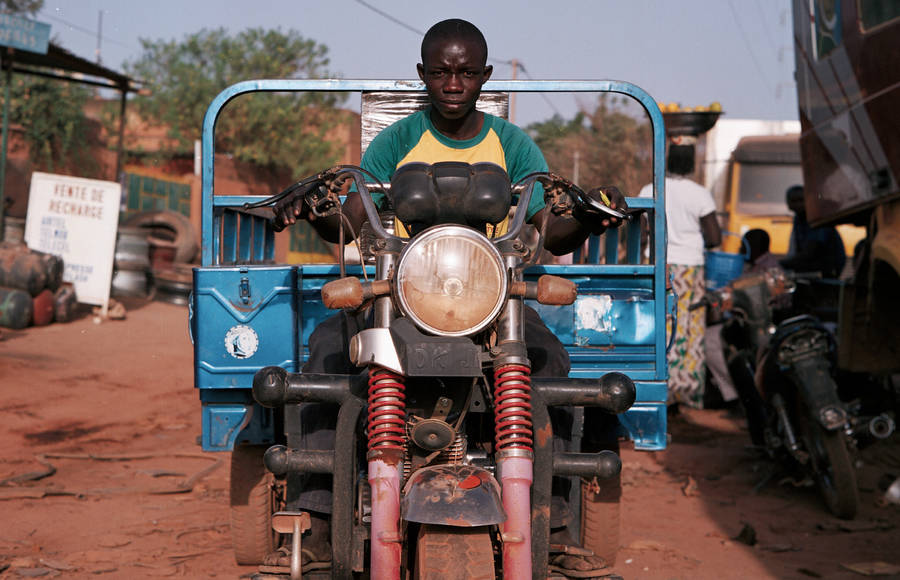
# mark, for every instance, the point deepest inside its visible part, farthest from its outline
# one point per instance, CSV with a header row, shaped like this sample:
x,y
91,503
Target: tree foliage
x,y
51,117
610,144
277,130
49,112
27,7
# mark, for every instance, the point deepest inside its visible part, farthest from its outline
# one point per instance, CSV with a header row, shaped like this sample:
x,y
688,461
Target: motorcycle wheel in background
x,y
830,464
253,501
450,553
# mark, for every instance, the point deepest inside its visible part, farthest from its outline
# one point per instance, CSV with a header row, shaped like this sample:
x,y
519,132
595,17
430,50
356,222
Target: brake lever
x,y
597,207
322,201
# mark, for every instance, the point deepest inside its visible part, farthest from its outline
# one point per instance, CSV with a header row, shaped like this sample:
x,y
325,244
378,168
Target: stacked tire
x,y
131,267
172,246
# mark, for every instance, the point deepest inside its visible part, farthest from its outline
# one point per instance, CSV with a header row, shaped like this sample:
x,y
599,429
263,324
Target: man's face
x,y
796,203
453,73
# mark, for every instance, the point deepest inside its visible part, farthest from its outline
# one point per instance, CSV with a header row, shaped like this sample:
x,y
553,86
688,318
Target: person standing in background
x,y
691,227
817,250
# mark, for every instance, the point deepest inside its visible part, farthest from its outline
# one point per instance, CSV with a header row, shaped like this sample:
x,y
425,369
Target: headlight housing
x,y
451,281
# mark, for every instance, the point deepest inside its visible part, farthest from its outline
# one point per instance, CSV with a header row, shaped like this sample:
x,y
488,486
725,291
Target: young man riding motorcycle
x,y
454,68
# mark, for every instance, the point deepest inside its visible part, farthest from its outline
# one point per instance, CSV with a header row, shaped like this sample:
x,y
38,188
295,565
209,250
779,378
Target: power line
x,y
746,38
92,33
518,64
765,23
409,27
396,21
543,95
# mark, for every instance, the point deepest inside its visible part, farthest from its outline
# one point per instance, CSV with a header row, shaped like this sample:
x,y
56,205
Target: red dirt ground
x,y
111,407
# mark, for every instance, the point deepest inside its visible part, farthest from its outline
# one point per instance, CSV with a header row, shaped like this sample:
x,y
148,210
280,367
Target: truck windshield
x,y
762,187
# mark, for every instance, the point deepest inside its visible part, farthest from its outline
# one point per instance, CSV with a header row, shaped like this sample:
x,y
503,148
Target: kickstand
x,y
767,477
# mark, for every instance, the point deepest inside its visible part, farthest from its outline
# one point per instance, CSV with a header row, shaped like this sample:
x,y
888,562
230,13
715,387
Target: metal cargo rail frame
x,y
234,237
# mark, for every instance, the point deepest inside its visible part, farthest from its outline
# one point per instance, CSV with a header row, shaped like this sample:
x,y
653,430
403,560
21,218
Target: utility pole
x,y
575,166
512,95
99,34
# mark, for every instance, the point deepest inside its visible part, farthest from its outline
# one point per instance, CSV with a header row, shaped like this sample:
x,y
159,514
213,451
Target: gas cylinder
x,y
43,308
21,268
16,308
53,265
65,302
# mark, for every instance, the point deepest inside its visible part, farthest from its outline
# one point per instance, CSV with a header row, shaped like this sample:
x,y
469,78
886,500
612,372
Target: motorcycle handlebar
x,y
320,193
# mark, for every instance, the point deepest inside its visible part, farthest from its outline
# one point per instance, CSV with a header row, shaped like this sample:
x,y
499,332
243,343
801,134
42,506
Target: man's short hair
x,y
680,160
454,28
793,192
757,242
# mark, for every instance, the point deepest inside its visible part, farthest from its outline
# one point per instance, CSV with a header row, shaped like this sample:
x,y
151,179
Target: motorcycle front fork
x,y
790,438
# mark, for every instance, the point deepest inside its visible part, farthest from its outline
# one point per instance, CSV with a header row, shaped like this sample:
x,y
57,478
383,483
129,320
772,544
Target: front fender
x,y
452,495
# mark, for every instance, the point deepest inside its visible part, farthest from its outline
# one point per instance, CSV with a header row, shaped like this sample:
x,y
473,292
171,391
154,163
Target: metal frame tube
x,y
614,392
385,538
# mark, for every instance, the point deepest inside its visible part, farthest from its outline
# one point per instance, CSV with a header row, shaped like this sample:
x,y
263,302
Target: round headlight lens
x,y
451,281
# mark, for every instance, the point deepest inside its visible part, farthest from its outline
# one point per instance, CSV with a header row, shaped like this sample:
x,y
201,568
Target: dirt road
x,y
104,477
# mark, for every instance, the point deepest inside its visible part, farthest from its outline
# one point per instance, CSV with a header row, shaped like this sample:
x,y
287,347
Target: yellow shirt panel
x,y
430,150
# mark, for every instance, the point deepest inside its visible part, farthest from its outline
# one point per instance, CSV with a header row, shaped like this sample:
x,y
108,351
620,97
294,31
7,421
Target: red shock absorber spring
x,y
512,407
387,409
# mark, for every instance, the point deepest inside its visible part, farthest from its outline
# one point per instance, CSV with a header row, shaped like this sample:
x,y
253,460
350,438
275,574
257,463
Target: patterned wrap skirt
x,y
687,358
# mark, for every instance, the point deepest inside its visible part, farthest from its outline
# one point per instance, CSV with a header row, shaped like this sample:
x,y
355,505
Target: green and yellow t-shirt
x,y
415,139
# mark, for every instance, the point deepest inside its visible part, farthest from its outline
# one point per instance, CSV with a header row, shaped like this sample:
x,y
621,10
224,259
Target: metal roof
x,y
61,64
768,149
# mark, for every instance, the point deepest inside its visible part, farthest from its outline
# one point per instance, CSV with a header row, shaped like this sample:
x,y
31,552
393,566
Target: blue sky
x,y
736,52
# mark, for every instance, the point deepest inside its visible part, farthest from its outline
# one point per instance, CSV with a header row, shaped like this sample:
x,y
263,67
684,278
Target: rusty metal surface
x,y
452,495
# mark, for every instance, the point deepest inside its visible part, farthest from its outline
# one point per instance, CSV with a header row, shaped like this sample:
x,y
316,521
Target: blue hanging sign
x,y
24,34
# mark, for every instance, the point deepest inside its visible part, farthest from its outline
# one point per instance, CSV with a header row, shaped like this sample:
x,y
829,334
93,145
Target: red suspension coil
x,y
512,407
387,409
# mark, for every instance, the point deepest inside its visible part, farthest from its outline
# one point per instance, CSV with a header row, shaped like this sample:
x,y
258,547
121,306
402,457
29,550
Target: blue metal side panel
x,y
256,305
226,423
646,425
221,424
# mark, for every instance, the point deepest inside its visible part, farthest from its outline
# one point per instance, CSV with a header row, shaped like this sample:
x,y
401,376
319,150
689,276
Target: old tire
x,y
600,515
252,501
832,469
171,226
445,553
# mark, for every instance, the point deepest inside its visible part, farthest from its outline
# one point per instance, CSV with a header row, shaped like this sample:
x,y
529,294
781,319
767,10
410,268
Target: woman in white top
x,y
691,228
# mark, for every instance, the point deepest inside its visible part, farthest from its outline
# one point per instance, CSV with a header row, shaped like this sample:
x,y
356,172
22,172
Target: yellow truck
x,y
760,170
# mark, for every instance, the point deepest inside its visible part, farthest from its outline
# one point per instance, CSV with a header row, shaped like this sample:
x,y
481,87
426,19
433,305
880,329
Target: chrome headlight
x,y
451,281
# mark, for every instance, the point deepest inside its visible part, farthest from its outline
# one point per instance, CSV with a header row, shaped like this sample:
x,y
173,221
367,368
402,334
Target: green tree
x,y
26,7
49,112
610,144
276,130
51,116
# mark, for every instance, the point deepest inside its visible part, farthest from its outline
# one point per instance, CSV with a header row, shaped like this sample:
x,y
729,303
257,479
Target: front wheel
x,y
832,469
252,498
600,515
601,504
445,553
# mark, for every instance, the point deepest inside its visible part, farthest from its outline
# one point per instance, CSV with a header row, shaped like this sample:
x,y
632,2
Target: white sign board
x,y
76,219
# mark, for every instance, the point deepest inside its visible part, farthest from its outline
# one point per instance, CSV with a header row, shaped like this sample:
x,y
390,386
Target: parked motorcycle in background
x,y
806,415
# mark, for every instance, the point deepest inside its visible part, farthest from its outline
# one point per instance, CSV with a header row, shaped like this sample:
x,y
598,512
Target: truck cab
x,y
760,171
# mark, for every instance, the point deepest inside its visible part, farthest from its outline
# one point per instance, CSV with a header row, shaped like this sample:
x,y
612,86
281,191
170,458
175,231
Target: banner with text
x,y
76,219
